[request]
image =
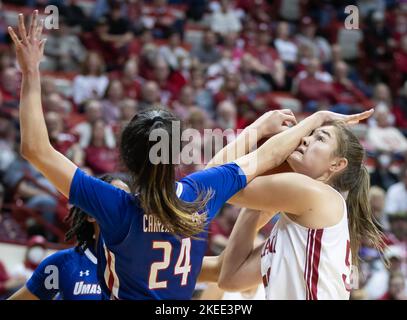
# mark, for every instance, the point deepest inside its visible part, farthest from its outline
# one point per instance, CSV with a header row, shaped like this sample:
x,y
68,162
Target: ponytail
x,y
356,182
362,223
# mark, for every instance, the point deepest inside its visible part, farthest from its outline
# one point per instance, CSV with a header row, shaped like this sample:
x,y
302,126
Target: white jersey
x,y
299,263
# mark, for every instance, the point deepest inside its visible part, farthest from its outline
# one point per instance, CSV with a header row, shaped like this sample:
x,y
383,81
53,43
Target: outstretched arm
x,y
276,149
35,144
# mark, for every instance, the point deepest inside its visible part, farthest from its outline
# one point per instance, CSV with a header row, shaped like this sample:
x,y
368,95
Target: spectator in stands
x,y
74,15
35,253
9,86
118,34
377,198
225,19
207,52
8,144
400,110
396,199
287,49
348,97
382,176
268,56
9,284
64,51
64,142
308,36
128,109
110,103
98,156
174,54
186,102
203,96
27,184
161,18
54,102
397,287
383,137
376,43
313,86
400,58
170,82
226,115
131,80
91,83
93,113
150,95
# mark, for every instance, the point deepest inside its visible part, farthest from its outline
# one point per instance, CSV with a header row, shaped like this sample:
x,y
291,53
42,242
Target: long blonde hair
x,y
356,181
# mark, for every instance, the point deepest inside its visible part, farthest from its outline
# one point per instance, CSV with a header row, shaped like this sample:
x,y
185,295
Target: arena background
x,y
216,65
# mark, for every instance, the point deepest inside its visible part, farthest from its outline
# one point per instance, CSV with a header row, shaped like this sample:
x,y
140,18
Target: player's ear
x,y
90,219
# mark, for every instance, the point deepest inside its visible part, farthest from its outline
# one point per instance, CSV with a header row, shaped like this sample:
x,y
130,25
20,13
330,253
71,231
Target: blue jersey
x,y
138,257
67,274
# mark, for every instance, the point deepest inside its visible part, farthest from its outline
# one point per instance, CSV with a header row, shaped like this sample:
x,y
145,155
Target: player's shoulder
x,y
65,255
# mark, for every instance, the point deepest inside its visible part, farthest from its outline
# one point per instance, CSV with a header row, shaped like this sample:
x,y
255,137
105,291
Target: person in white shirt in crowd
x,y
91,83
174,54
226,19
287,49
93,113
396,199
384,137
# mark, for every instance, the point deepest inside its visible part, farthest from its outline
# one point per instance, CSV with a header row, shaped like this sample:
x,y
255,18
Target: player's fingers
x,y
289,118
21,28
33,25
38,31
355,118
42,45
287,111
13,36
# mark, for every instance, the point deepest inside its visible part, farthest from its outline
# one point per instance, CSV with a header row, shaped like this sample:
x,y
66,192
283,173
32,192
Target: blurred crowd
x,y
216,64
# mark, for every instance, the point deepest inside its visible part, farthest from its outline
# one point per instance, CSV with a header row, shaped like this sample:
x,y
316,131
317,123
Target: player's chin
x,y
295,161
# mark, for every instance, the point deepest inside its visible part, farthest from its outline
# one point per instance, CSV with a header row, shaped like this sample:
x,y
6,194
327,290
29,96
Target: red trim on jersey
x,y
309,269
306,265
315,264
111,278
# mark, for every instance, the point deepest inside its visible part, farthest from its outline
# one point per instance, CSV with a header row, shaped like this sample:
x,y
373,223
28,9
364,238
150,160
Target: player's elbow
x,y
33,153
227,283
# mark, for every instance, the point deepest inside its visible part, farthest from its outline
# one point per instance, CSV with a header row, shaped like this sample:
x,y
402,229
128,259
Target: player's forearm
x,y
277,149
239,248
34,136
241,146
210,269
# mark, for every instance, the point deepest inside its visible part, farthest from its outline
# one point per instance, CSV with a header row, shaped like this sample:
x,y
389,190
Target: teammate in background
x,y
152,244
70,274
325,213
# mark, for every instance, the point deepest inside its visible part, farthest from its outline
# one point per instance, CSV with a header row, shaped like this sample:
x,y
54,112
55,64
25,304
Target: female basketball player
x,y
152,244
70,274
325,214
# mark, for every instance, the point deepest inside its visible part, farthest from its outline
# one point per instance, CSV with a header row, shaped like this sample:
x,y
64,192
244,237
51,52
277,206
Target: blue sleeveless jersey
x,y
138,258
67,274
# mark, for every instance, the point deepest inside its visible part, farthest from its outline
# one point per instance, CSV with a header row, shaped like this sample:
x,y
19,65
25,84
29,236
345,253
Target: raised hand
x,y
29,47
273,122
327,116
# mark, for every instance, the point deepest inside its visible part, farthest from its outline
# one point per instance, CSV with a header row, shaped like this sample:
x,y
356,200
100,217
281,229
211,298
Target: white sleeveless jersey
x,y
299,263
